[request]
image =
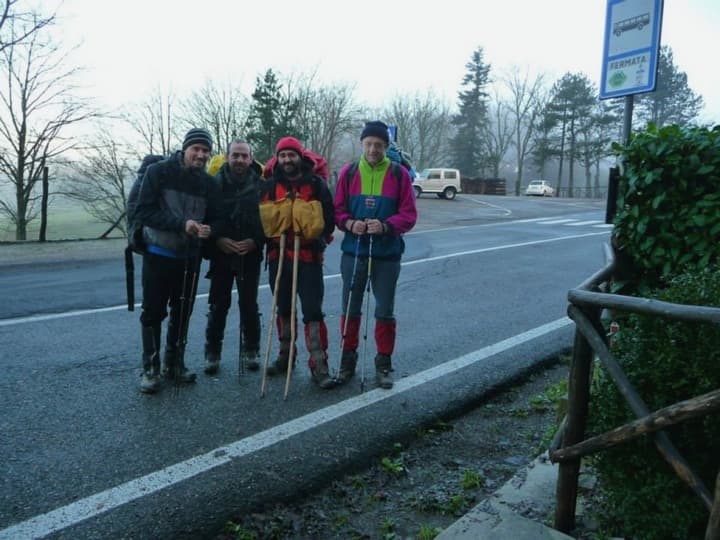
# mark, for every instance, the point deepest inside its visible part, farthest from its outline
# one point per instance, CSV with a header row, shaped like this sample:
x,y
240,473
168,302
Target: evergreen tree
x,y
595,137
673,101
573,98
272,116
467,146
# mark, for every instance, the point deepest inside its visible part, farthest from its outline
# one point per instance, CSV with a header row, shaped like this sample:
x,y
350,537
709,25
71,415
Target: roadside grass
x,y
63,224
417,488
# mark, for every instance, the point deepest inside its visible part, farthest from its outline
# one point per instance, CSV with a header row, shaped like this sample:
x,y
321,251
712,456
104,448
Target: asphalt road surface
x,y
482,298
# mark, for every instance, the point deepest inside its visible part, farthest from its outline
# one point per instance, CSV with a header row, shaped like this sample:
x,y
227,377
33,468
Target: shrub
x,y
668,207
666,361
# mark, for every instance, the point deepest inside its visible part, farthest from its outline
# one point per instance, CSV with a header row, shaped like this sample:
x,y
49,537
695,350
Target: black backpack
x,y
134,228
136,243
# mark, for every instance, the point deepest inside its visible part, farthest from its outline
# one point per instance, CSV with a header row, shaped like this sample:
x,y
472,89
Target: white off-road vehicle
x,y
445,183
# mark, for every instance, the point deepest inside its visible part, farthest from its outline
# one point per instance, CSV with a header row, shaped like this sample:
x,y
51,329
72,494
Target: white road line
x,y
497,248
53,316
94,505
604,226
555,221
580,223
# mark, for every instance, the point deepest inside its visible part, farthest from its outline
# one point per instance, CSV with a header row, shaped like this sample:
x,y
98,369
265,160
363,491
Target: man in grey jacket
x,y
177,205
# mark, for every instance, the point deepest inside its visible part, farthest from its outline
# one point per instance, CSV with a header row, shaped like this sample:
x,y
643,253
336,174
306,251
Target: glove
x,y
307,218
276,217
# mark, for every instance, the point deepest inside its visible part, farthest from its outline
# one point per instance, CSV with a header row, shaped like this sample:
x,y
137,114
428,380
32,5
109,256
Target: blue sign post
x,y
392,132
631,48
630,59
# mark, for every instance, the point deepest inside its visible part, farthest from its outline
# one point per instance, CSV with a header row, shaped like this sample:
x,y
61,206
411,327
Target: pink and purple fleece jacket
x,y
381,192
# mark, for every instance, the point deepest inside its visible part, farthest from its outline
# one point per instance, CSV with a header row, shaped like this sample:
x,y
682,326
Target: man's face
x,y
373,148
196,156
290,161
239,158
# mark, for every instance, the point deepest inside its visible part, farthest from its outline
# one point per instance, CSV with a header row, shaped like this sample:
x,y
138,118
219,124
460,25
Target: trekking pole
x,y
367,316
273,311
130,278
349,298
187,299
293,313
241,290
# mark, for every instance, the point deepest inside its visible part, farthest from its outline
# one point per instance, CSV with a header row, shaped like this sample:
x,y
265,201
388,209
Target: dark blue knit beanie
x,y
376,128
197,136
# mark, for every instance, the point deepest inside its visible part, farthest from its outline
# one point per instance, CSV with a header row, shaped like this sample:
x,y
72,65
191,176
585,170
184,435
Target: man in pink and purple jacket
x,y
375,206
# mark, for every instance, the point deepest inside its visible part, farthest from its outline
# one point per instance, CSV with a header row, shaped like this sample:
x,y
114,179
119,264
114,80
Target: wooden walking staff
x,y
293,311
273,312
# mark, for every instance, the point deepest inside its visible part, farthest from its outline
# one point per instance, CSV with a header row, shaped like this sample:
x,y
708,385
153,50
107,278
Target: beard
x,y
291,169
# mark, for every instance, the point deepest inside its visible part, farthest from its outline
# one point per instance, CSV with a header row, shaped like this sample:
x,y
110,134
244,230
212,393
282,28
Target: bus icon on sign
x,y
630,23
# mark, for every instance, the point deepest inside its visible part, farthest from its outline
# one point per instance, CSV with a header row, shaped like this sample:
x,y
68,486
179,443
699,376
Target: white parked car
x,y
539,187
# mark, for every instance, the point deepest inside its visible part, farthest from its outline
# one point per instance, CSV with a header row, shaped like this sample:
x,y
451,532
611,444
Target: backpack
x,y
398,155
136,244
134,229
319,168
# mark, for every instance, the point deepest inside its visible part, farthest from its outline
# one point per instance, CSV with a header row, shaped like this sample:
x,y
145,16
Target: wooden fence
x,y
483,186
586,305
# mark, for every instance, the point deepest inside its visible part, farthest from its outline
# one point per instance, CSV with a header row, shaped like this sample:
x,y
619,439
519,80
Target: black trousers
x,y
169,282
244,271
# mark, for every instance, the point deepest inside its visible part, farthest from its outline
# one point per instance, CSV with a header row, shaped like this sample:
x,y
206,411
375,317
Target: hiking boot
x,y
251,360
316,342
174,368
212,359
213,338
150,381
383,369
347,366
280,364
321,376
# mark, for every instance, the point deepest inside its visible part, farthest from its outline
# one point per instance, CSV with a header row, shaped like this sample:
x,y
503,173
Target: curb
x,y
516,510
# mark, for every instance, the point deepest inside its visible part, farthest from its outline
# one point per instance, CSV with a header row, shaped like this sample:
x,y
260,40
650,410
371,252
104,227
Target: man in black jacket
x,y
236,256
177,203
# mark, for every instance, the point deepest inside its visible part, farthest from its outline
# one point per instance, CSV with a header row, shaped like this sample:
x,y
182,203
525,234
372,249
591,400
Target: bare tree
x,y
424,126
326,114
101,178
498,132
155,121
37,106
222,110
17,24
527,99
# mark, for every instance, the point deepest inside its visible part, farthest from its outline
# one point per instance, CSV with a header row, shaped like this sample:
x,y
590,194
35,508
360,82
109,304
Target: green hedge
x,y
666,361
667,238
668,217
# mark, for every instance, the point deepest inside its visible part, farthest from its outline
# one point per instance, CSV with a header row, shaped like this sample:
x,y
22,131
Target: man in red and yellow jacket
x,y
297,204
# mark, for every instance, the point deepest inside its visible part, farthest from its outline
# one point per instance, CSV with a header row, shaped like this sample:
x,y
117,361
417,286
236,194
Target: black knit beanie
x,y
376,128
197,136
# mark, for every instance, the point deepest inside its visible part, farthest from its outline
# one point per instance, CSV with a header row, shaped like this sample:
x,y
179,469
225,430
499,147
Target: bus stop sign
x,y
631,48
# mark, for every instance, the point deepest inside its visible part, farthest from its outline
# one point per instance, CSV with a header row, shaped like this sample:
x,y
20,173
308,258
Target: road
x,y
481,298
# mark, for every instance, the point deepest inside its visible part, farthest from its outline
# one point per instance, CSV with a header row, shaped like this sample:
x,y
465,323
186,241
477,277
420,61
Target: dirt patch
x,y
416,490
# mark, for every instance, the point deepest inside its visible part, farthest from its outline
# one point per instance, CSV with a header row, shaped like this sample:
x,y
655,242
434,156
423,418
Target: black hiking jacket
x,y
171,194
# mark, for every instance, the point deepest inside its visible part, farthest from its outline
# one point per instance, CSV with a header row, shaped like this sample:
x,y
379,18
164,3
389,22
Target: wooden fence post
x,y
578,401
